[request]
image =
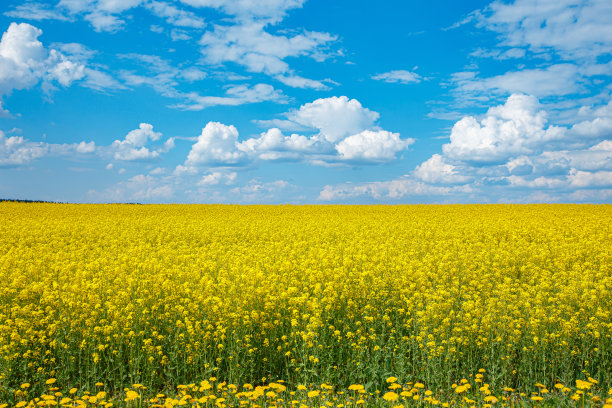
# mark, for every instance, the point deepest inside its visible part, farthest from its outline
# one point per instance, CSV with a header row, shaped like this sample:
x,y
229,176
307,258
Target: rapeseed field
x,y
305,306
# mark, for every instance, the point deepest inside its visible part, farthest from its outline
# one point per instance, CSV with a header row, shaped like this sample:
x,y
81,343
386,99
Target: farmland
x,y
226,305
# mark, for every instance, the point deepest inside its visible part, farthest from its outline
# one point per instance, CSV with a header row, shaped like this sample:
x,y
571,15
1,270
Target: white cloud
x,y
17,151
62,70
234,95
103,15
511,154
102,21
273,145
599,126
499,54
563,46
179,35
559,79
85,148
217,177
133,147
22,57
296,81
436,170
372,146
519,166
36,11
216,145
343,130
25,62
139,137
604,146
334,117
138,188
389,190
249,45
537,182
259,191
75,51
400,76
585,179
193,74
164,78
100,81
518,127
174,15
573,29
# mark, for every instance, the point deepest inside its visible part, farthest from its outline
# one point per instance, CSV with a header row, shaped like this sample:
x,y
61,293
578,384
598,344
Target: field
x,y
384,306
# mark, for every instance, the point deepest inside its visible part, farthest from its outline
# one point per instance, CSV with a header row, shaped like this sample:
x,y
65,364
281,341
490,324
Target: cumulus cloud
x,y
400,76
510,153
26,62
515,128
274,145
436,170
216,145
133,146
335,118
342,131
371,145
16,151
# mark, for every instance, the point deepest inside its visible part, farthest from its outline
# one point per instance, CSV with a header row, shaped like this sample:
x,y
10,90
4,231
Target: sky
x,y
306,101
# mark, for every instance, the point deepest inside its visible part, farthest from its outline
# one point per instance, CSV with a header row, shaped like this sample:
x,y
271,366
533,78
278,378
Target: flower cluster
x,y
165,295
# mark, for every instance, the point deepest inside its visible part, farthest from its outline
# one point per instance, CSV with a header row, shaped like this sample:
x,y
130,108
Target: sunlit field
x,y
206,305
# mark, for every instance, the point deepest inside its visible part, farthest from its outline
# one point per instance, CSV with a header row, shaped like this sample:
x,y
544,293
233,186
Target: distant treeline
x,y
27,201
49,202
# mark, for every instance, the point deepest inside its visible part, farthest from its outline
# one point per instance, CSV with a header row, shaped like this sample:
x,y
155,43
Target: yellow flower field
x,y
164,305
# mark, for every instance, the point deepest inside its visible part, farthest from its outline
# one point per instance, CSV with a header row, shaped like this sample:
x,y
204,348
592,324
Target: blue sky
x,y
306,101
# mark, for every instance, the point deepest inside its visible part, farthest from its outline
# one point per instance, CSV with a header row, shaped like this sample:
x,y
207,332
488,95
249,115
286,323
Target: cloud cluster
x,y
243,38
511,151
16,151
133,146
343,132
250,45
515,128
165,79
564,48
568,28
138,145
24,61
